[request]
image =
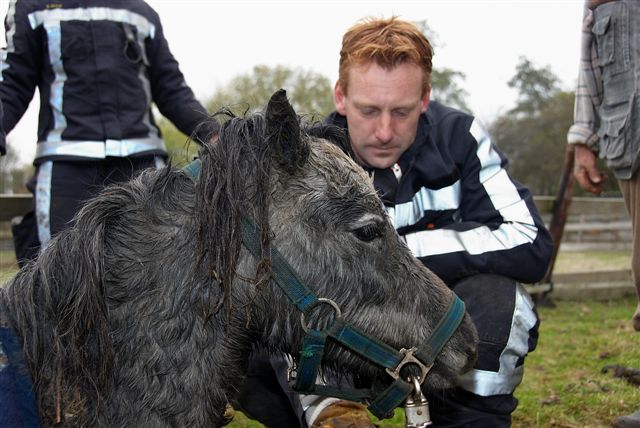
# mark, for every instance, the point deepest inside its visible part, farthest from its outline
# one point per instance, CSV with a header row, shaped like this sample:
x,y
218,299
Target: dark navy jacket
x,y
17,399
456,206
98,65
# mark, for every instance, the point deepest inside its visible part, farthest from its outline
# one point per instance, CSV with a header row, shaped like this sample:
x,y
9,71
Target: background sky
x,y
217,40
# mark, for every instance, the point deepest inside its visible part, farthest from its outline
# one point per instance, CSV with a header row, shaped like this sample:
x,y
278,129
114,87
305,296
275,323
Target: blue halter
x,y
366,346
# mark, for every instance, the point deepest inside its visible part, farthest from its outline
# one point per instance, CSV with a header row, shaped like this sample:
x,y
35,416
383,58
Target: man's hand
x,y
343,414
585,170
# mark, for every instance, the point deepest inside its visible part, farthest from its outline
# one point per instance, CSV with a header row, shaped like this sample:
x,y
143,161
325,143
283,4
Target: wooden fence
x,y
593,223
14,205
591,220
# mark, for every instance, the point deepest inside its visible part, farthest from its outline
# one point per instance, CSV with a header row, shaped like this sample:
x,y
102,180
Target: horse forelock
x,y
236,179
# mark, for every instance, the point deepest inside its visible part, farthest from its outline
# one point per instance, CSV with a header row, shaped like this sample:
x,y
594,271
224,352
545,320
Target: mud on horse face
x,y
145,311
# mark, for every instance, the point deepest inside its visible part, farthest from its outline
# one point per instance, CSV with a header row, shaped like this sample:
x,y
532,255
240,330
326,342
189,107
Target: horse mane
x,y
233,181
61,304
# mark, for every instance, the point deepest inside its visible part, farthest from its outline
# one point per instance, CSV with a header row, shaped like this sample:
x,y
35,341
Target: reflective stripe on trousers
x,y
507,324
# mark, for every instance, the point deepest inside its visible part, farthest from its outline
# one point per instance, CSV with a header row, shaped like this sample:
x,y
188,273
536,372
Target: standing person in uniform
x,y
99,65
607,116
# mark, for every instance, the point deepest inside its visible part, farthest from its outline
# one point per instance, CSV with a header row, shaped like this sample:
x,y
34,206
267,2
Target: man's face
x,y
382,110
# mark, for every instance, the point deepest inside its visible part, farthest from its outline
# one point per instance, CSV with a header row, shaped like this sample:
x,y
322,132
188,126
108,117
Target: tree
x,y
533,133
535,143
445,82
308,91
446,89
535,86
310,94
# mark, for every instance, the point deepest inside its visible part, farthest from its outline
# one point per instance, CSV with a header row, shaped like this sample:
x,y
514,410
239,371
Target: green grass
x,y
563,385
8,266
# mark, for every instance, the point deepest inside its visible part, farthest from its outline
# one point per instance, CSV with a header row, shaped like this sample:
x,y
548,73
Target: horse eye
x,y
368,232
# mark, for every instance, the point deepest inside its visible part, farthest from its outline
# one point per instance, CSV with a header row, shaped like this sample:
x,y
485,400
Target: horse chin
x,y
369,376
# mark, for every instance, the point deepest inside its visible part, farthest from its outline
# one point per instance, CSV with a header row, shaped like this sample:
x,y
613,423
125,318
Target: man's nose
x,y
384,130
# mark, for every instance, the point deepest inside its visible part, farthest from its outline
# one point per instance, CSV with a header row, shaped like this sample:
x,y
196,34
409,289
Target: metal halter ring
x,y
320,300
410,359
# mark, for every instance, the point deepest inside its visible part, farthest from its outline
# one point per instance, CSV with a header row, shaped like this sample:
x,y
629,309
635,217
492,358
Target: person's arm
x,y
583,133
174,98
20,65
499,229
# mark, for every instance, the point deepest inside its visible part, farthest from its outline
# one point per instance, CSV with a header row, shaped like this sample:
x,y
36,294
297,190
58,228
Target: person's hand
x,y
636,318
343,414
585,170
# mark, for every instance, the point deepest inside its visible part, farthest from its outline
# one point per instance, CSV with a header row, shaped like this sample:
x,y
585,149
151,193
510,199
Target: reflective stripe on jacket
x,y
456,206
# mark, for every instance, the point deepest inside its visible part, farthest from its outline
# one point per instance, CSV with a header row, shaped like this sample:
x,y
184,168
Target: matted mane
x,y
234,181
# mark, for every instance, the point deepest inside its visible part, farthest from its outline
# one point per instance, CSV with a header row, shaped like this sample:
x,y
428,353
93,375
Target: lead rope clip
x,y
416,407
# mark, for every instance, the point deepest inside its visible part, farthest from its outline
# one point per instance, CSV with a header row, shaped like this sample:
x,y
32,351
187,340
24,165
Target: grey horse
x,y
145,311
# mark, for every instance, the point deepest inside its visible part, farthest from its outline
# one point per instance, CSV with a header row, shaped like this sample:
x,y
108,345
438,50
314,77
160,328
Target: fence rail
x,y
593,207
593,223
14,206
590,219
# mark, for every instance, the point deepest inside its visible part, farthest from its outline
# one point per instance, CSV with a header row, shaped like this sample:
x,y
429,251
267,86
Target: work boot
x,y
343,414
628,421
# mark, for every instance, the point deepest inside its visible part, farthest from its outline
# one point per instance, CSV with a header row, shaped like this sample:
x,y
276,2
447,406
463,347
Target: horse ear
x,y
290,150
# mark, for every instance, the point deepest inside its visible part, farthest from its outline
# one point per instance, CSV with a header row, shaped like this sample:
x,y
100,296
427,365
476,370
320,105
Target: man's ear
x,y
424,103
339,99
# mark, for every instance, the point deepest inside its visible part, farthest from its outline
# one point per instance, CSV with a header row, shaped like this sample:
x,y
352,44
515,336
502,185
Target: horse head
x,y
319,209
